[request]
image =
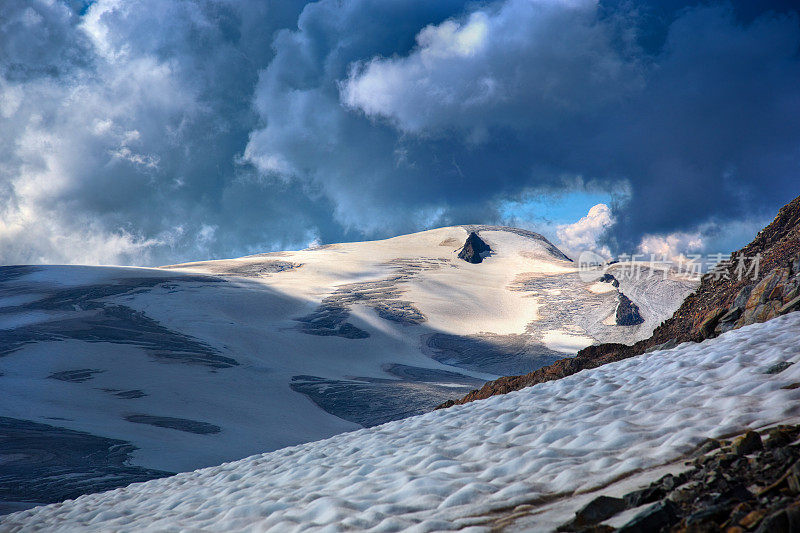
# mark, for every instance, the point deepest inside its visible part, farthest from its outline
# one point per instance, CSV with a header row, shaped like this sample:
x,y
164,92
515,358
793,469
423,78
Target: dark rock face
x,y
747,443
628,312
654,518
601,508
473,248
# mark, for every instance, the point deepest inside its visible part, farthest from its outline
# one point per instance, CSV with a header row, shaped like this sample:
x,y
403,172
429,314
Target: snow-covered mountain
x,y
530,457
158,370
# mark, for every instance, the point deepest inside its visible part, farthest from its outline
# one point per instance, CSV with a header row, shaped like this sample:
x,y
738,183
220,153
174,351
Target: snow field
x,y
444,469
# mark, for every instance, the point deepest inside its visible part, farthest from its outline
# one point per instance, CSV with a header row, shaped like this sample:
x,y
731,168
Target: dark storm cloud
x,y
696,128
152,131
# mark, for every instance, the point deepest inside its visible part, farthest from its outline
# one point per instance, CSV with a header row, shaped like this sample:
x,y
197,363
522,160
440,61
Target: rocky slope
x,y
724,300
744,484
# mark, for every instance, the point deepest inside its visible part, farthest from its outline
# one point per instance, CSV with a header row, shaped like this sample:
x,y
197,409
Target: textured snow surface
x,y
441,470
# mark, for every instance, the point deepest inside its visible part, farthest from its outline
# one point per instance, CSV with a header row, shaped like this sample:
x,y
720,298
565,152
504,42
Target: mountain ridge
x,y
708,311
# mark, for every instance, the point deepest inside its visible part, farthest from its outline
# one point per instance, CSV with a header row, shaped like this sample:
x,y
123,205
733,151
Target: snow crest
x,y
445,469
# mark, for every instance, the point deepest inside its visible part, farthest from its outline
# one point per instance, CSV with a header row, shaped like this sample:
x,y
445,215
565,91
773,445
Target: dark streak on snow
x,y
383,295
47,464
87,317
373,401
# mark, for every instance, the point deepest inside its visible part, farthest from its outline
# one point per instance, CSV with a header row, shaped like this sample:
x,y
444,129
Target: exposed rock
x,y
742,296
747,443
791,305
727,321
663,346
717,494
594,512
709,323
627,312
777,368
473,248
654,518
646,495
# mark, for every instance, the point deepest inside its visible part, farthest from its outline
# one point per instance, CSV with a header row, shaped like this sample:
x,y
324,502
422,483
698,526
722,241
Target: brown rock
x,y
747,443
752,518
791,305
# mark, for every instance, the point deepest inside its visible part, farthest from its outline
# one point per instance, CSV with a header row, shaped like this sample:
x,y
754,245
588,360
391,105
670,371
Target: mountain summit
x,y
473,248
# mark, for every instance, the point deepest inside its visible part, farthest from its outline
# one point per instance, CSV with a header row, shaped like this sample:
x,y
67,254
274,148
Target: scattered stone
x,y
752,518
789,306
599,509
783,521
777,368
724,491
643,496
685,492
780,436
655,518
707,446
793,478
473,248
747,443
713,513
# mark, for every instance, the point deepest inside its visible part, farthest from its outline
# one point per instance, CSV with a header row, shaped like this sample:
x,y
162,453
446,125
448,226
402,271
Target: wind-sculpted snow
x,y
447,469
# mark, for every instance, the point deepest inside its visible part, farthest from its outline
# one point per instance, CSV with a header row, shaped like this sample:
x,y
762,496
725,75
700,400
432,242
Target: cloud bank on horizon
x,y
155,131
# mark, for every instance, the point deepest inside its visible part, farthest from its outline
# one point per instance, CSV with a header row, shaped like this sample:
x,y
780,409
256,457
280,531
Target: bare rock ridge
x,y
627,312
723,301
473,248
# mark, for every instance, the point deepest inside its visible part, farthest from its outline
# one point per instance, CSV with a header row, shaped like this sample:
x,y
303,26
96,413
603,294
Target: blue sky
x,y
157,131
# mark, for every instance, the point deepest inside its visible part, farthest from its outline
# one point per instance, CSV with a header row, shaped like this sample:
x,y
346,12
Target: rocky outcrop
x,y
608,278
748,484
627,312
473,248
723,301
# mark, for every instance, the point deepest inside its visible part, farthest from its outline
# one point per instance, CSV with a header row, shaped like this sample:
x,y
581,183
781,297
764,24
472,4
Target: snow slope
x,y
201,363
447,469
